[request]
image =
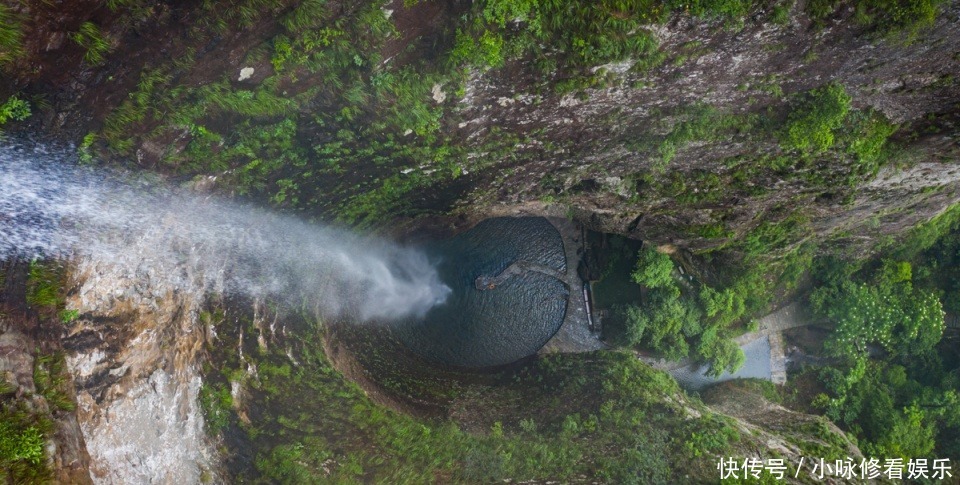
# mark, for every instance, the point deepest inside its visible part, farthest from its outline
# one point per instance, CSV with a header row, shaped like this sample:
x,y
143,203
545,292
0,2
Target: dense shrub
x,y
653,270
812,123
15,109
893,382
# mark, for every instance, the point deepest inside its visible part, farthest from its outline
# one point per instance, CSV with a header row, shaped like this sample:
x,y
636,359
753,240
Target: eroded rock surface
x,y
791,434
23,336
134,353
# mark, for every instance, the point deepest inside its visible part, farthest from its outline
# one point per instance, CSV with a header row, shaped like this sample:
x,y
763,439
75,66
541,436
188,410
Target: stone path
x,y
574,334
791,316
778,361
772,326
484,282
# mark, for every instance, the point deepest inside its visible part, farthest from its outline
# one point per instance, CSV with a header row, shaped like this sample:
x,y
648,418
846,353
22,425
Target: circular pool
x,y
507,297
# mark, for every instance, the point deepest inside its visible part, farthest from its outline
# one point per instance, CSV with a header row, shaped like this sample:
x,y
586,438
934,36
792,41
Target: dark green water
x,y
475,328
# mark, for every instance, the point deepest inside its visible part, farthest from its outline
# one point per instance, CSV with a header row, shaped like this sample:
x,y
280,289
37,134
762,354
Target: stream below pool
x,y
757,365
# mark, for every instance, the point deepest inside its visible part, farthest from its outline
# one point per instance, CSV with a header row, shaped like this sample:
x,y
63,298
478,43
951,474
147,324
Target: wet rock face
x,y
580,148
23,336
134,355
66,450
16,366
748,70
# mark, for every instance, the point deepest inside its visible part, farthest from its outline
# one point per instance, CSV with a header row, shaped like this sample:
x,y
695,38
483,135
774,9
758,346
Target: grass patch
x,y
22,443
899,20
44,282
217,405
92,40
577,34
52,381
11,35
15,109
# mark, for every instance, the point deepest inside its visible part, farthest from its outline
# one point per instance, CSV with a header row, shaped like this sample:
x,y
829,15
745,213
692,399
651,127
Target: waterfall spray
x,y
50,208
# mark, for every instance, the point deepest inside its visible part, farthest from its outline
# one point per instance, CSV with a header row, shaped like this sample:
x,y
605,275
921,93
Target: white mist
x,y
50,208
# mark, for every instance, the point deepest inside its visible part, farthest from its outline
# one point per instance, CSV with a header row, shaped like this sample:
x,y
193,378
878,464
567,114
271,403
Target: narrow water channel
x,y
756,365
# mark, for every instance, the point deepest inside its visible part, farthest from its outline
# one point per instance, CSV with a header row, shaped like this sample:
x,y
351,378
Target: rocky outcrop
x,y
134,353
792,435
24,335
592,150
604,169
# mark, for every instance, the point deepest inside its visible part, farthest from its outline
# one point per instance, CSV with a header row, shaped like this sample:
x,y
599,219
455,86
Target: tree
x,y
890,313
723,354
811,125
653,270
725,305
636,322
911,436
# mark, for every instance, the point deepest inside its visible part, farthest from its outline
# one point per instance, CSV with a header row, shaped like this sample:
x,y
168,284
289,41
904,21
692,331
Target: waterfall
x,y
52,208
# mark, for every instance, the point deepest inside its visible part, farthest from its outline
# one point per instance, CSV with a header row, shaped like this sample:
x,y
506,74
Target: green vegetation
x,y
11,36
895,384
781,13
559,417
216,403
44,284
824,145
902,20
887,311
92,40
25,417
15,109
26,422
654,270
868,135
704,124
336,131
615,286
812,124
573,33
677,318
332,130
22,440
51,380
675,321
68,316
20,445
24,429
84,151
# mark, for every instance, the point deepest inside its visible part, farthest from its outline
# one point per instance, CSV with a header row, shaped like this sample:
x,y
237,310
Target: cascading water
x,y
51,208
